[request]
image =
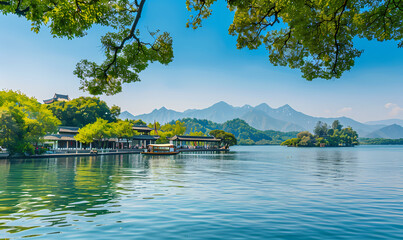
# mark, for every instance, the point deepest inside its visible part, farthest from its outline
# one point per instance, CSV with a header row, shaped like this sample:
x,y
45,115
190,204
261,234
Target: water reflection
x,y
254,192
335,164
52,189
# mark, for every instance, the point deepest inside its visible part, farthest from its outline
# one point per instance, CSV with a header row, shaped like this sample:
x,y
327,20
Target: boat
x,y
161,149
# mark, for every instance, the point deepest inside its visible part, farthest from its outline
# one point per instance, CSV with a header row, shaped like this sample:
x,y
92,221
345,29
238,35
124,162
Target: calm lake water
x,y
260,192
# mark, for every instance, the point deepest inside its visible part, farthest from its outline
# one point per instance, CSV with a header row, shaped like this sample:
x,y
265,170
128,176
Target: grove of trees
x,y
227,139
381,141
82,111
23,122
243,132
167,130
101,130
333,136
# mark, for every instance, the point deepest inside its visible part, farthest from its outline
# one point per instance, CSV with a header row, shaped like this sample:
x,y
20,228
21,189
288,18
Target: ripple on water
x,y
252,193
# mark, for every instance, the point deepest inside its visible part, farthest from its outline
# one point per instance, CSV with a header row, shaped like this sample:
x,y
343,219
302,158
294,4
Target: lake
x,y
253,192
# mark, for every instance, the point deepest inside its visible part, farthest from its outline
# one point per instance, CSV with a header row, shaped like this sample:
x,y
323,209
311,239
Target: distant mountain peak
x,y
220,104
387,122
263,105
126,115
286,107
262,116
393,131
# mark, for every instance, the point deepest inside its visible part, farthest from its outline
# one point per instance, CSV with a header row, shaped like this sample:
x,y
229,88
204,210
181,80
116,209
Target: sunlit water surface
x,y
261,192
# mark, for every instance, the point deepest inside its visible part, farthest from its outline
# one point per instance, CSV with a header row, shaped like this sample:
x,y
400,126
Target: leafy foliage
x,y
333,137
138,122
313,36
227,139
97,131
321,129
23,122
199,133
167,130
196,125
380,141
83,110
126,55
245,134
122,129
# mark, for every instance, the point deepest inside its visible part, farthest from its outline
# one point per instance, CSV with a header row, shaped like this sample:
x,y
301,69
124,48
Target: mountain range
x,y
393,131
264,117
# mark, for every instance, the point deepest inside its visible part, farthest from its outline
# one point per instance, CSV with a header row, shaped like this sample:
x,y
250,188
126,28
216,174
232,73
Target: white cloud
x,y
345,110
394,109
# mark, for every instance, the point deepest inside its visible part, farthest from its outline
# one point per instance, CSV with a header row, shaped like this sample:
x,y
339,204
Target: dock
x,y
201,150
87,153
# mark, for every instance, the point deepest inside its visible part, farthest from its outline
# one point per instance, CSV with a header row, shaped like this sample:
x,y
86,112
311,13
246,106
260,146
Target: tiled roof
x,y
145,137
141,128
61,96
48,101
194,138
64,129
56,97
58,137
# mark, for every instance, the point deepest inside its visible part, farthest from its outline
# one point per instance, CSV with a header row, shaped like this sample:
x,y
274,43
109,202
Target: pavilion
x,y
57,97
143,139
196,142
64,139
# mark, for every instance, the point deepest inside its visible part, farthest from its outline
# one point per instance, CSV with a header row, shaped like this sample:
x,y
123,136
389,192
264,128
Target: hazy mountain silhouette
x,y
386,122
393,131
262,117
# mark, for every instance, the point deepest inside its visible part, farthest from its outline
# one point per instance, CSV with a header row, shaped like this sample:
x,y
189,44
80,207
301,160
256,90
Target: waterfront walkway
x,y
83,153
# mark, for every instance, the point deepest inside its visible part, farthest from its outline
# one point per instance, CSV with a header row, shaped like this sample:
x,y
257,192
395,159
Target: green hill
x,y
244,133
393,131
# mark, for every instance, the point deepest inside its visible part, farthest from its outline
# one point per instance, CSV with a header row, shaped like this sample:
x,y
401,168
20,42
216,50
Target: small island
x,y
325,136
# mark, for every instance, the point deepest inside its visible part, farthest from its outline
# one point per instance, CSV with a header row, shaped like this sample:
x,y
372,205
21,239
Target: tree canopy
x,y
23,122
316,37
167,130
313,36
227,139
97,131
333,137
122,129
245,134
83,110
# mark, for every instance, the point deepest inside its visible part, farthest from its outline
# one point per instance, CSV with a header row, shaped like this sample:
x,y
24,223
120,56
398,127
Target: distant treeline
x,y
380,141
245,134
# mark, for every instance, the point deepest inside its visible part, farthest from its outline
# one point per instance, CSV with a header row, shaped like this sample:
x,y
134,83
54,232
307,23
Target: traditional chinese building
x,y
64,140
57,97
144,138
204,142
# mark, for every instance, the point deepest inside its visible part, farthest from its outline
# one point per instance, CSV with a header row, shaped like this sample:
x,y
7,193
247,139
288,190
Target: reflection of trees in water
x,y
336,164
178,164
215,161
51,189
4,170
59,192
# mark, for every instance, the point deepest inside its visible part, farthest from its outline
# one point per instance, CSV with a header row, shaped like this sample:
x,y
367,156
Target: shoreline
x,y
132,151
57,155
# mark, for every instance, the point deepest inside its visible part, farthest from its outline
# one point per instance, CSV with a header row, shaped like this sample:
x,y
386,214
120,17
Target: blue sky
x,y
207,68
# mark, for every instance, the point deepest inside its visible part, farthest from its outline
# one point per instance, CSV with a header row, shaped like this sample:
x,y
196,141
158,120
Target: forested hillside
x,y
245,134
